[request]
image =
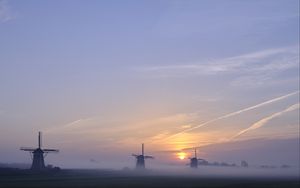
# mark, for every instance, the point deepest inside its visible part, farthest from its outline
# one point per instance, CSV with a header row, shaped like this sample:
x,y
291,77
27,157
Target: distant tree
x,y
285,166
244,164
203,162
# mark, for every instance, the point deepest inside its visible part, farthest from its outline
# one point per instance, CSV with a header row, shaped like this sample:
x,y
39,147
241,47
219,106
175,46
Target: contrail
x,y
234,113
265,120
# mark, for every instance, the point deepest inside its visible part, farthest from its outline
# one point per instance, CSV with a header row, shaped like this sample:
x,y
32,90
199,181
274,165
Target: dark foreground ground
x,y
110,178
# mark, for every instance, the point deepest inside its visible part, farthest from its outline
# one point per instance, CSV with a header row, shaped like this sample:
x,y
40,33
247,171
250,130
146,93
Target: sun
x,y
181,155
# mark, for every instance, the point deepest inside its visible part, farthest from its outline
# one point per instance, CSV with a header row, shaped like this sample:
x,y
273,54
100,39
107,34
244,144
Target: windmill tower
x,y
38,155
140,159
194,160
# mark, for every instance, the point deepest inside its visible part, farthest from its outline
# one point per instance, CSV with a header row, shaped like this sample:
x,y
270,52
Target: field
x,y
110,178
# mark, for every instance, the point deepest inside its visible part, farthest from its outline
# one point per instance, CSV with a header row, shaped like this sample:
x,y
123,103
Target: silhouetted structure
x,y
38,155
194,160
140,159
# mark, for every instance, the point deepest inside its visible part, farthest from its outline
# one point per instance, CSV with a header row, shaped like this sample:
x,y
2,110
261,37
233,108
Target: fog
x,y
205,172
231,172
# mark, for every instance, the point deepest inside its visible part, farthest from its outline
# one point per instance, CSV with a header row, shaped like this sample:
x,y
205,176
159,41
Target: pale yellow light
x,y
181,155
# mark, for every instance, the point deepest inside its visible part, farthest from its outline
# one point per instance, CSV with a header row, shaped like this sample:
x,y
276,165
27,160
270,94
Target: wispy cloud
x,y
71,126
262,64
265,120
5,12
234,113
121,132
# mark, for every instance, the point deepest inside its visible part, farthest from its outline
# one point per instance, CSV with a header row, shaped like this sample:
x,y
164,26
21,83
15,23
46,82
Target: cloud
x,y
234,113
5,12
266,68
265,120
104,129
71,126
259,66
186,126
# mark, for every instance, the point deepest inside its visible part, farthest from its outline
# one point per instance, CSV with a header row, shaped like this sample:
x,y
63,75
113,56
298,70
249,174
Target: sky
x,y
99,78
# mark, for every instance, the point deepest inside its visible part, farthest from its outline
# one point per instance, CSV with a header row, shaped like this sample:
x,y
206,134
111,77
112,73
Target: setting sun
x,y
181,155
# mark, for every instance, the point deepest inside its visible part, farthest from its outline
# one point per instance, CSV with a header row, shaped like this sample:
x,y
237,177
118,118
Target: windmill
x,y
194,160
140,159
38,155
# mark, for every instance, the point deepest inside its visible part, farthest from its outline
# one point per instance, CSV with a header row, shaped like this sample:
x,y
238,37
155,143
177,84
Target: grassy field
x,y
109,178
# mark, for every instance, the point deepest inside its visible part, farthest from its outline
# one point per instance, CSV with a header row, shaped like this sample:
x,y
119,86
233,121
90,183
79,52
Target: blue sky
x,y
118,73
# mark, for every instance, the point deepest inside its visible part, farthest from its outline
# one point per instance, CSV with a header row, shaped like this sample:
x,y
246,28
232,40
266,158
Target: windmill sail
x,y
194,160
38,161
140,159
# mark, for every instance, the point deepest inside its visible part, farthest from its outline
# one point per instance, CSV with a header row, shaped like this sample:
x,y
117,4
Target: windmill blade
x,y
27,149
148,157
51,150
135,155
201,160
40,140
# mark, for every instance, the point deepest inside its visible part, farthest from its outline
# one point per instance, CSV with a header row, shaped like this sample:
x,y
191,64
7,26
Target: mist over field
x,y
186,93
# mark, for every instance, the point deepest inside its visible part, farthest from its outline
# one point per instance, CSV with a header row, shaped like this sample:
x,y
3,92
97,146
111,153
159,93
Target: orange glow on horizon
x,y
181,155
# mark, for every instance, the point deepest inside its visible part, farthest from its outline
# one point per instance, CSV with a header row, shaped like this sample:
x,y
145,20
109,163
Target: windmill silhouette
x,y
194,160
140,159
38,155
